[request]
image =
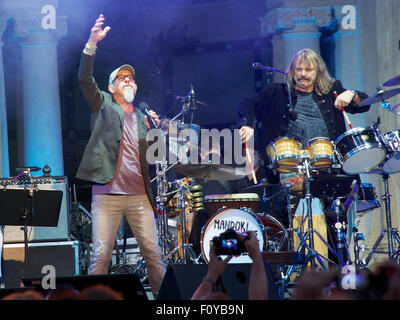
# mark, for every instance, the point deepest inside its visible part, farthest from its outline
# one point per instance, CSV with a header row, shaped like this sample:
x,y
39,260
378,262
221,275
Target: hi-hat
x,y
210,171
380,96
392,82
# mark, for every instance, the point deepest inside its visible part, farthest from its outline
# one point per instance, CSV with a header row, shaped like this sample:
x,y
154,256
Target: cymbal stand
x,y
310,232
307,235
312,255
183,252
392,233
162,221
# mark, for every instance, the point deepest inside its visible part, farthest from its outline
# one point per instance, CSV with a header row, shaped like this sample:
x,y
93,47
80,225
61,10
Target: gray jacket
x,y
100,158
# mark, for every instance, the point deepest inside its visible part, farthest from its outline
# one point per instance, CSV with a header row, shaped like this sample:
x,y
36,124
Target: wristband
x,y
90,50
354,92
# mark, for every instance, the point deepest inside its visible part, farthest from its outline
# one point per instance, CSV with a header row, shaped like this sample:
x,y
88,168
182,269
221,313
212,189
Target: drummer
x,y
303,108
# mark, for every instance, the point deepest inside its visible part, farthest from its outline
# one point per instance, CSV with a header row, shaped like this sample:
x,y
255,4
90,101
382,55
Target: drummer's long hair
x,y
323,82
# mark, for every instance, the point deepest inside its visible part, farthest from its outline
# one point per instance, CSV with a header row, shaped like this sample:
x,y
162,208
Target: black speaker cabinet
x,y
14,234
181,281
128,284
62,255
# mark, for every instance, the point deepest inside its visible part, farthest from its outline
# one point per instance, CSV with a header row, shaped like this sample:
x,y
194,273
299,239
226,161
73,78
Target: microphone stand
x,y
28,215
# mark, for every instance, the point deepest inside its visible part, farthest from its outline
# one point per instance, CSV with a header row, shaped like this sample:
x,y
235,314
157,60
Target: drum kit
x,y
329,169
179,200
357,151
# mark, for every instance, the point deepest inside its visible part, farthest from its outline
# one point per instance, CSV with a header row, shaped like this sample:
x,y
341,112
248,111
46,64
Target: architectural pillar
x,y
294,29
42,132
4,157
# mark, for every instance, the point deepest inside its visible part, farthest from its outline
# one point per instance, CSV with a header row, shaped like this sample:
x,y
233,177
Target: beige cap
x,y
113,74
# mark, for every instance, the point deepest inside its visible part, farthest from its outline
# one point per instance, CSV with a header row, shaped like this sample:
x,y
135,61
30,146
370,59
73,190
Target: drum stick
x,y
250,162
346,117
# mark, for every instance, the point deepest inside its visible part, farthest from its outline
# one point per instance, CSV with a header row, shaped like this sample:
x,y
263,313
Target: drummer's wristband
x,y
211,282
355,93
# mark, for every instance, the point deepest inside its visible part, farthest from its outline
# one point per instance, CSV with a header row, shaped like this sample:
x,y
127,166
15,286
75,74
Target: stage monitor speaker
x,y
62,255
181,281
127,284
15,234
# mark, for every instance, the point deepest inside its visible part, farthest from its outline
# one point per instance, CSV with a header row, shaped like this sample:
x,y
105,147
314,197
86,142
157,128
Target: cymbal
x,y
392,82
210,171
380,96
263,184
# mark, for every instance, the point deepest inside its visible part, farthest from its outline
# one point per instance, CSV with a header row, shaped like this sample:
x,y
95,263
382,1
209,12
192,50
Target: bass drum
x,y
269,232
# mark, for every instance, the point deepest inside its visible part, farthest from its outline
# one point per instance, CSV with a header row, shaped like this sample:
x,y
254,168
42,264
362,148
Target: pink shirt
x,y
128,177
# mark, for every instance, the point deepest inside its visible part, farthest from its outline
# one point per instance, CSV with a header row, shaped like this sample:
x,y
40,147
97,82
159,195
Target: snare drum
x,y
215,202
267,229
320,150
392,142
284,152
359,150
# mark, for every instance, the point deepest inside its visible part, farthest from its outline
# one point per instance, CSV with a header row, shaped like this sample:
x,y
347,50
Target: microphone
x,y
192,96
144,107
259,66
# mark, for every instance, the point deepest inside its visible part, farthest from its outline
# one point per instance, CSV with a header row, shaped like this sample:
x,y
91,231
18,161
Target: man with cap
x,y
114,161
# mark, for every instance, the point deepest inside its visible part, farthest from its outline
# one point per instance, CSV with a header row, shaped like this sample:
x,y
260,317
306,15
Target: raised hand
x,y
97,33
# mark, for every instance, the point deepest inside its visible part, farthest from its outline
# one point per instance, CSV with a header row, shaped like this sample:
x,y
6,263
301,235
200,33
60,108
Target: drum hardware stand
x,y
287,188
184,249
392,233
166,244
169,251
312,255
289,198
126,266
286,278
162,185
358,237
81,218
340,236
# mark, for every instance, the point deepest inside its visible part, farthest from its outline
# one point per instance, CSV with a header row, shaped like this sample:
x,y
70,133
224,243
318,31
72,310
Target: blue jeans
x,y
107,211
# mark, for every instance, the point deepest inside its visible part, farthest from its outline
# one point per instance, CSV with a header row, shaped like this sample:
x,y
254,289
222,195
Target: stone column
x,y
294,29
4,157
42,132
